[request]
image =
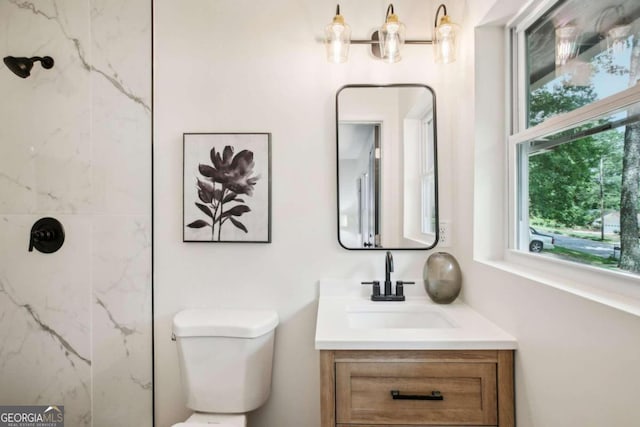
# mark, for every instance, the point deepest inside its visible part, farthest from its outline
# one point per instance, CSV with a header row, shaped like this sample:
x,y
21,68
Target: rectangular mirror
x,y
387,167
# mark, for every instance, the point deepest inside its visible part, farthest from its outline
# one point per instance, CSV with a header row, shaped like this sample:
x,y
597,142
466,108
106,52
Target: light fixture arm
x,y
444,10
619,9
374,39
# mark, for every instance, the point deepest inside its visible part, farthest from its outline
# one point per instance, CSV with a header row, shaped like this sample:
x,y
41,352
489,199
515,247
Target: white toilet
x,y
226,357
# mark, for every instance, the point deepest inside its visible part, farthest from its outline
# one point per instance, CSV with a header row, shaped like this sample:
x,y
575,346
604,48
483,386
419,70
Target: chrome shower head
x,y
21,67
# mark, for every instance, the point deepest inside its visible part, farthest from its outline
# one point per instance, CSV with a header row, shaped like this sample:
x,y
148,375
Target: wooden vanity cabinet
x,y
408,388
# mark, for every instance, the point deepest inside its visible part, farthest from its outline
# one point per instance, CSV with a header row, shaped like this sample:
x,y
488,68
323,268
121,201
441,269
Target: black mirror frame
x,y
435,164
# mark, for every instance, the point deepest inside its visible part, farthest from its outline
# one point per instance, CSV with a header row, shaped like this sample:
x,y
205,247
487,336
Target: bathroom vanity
x,y
410,363
414,387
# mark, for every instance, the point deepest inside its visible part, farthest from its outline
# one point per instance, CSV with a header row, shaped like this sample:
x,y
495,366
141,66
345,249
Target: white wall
x,y
268,74
577,363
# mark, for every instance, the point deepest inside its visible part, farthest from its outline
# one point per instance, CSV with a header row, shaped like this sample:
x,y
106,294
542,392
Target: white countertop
x,y
466,330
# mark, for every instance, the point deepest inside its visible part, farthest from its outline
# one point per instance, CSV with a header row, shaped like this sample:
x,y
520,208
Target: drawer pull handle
x,y
435,395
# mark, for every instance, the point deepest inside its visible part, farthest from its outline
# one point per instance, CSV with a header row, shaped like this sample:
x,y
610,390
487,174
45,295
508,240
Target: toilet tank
x,y
226,358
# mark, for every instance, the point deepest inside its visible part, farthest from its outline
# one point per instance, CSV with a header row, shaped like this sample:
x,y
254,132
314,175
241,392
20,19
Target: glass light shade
x,y
337,40
566,43
391,39
617,38
445,41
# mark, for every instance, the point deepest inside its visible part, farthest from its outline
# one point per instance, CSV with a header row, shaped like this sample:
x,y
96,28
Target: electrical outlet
x,y
444,232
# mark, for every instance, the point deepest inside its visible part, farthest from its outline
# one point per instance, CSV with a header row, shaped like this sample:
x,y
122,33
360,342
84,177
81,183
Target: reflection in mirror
x,y
387,167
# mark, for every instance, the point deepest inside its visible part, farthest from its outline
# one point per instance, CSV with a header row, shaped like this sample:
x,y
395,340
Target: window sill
x,y
617,290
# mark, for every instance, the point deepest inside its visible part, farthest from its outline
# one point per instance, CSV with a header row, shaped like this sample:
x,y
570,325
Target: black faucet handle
x,y
400,287
376,287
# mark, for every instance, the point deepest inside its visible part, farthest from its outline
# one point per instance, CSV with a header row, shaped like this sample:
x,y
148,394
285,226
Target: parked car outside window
x,y
539,241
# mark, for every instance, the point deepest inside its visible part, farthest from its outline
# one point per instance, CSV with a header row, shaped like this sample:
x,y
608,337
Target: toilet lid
x,y
218,322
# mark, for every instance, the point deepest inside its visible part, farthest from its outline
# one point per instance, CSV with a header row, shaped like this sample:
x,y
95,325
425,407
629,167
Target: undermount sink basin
x,y
397,317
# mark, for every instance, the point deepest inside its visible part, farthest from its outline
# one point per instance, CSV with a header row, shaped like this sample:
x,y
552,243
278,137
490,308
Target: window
x,y
575,144
419,164
427,176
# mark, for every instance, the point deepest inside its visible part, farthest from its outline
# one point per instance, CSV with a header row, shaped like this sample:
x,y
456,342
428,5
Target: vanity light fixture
x,y
566,43
617,35
338,38
391,36
445,40
387,42
617,38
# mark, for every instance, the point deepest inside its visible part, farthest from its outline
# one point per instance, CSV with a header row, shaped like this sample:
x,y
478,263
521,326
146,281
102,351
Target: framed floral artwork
x,y
227,187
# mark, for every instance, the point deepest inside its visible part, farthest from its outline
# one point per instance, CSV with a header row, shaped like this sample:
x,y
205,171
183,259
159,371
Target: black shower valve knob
x,y
47,235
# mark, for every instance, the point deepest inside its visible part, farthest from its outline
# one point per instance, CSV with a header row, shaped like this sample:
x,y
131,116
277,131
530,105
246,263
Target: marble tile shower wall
x,y
75,143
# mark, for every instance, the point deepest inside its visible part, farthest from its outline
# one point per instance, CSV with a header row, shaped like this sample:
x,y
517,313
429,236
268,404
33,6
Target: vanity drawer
x,y
364,393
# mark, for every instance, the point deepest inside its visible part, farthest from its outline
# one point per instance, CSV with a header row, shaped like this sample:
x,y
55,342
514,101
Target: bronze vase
x,y
442,277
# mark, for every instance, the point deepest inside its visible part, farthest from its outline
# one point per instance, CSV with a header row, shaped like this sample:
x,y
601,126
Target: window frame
x,y
427,174
589,281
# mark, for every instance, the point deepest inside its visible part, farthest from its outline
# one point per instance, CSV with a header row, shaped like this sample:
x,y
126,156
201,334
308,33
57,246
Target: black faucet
x,y
388,295
388,269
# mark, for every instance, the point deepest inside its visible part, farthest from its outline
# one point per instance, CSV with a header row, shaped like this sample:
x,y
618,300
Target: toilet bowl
x,y
226,359
217,420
